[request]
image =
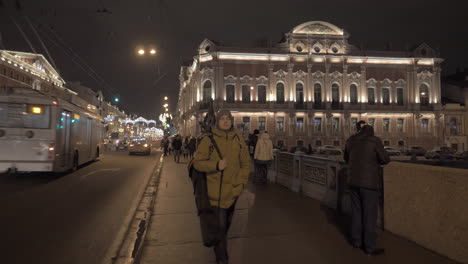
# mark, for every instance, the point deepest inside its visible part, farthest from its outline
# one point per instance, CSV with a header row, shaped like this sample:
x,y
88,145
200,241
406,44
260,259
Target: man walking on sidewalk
x,y
235,168
365,153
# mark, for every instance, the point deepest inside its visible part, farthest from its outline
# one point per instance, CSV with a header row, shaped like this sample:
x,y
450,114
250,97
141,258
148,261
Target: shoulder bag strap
x,y
213,142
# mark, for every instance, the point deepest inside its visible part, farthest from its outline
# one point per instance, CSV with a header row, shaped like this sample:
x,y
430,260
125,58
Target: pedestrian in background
x,y
192,146
177,146
226,176
365,153
262,158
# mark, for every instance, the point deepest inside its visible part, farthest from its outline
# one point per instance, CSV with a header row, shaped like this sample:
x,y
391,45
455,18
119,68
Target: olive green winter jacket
x,y
235,175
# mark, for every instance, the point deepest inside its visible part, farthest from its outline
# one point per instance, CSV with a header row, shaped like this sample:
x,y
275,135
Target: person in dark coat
x,y
192,146
365,153
177,146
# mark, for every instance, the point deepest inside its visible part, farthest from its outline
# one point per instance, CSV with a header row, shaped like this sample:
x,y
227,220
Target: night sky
x,y
106,34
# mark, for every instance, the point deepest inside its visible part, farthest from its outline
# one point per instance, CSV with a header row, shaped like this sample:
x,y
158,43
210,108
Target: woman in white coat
x,y
262,158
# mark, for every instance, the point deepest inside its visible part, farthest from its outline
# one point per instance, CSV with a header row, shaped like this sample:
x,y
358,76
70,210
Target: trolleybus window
x,y
24,116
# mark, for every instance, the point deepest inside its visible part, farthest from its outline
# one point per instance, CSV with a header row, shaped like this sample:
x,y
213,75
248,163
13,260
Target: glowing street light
x,y
141,51
152,51
165,97
165,105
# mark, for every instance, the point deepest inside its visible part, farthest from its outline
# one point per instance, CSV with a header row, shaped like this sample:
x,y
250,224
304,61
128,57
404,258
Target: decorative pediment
x,y
207,72
280,75
230,79
317,28
386,82
372,82
425,76
246,79
300,75
262,80
206,46
335,76
354,76
400,83
318,76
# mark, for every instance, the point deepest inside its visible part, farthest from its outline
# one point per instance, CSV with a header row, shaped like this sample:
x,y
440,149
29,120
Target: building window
x,y
318,143
207,91
246,124
353,94
424,94
336,143
280,93
385,96
280,143
453,127
300,143
386,143
299,93
386,124
335,94
230,93
261,94
399,96
401,143
400,125
280,124
371,122
352,123
261,123
424,125
300,124
246,94
336,124
318,94
371,96
318,124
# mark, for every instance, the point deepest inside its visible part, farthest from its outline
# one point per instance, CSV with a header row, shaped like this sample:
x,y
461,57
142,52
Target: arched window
x,y
207,90
261,94
353,96
299,93
424,94
335,95
230,91
280,93
399,97
453,127
385,96
245,94
318,94
370,95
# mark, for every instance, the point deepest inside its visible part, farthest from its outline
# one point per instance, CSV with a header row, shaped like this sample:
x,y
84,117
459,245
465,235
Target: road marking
x,y
83,177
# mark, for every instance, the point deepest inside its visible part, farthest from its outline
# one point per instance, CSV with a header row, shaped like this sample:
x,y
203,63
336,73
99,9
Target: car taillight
x,y
51,154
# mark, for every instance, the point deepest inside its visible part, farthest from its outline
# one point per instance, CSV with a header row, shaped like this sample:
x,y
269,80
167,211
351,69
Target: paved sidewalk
x,y
271,225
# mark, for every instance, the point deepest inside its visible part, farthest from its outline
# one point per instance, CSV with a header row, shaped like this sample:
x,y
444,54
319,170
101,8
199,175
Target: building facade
x,y
314,86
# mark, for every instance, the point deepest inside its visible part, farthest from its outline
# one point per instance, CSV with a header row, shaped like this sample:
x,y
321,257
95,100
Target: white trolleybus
x,y
42,133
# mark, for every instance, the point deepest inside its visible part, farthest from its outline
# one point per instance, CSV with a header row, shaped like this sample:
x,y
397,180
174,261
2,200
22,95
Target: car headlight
x,y
131,145
145,145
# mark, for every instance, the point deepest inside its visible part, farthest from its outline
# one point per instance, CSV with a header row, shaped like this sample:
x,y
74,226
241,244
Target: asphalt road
x,y
71,218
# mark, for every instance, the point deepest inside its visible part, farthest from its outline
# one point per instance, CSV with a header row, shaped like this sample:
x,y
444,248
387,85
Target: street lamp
x,y
152,51
141,52
165,105
165,98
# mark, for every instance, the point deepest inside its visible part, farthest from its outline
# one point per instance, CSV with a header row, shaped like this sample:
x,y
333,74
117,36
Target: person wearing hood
x,y
235,167
364,154
262,157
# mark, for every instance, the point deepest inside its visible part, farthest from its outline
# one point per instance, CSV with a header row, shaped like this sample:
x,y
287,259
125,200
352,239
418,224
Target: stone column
x,y
220,87
363,88
309,85
290,85
327,86
345,86
271,83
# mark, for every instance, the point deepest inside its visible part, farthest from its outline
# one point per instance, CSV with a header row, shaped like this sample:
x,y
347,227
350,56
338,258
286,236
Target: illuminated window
x,y
318,124
400,125
299,93
262,94
399,98
280,93
230,93
353,94
300,124
246,124
207,90
424,125
245,94
335,94
453,127
261,123
336,124
386,124
280,124
424,94
371,96
385,96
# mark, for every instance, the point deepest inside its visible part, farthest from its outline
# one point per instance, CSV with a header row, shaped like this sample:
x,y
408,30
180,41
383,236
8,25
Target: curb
x,y
135,235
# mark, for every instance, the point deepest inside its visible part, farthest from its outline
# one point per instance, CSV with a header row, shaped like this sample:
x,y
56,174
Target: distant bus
x,y
42,133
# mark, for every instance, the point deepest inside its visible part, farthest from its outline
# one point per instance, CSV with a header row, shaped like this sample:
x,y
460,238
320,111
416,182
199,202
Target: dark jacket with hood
x,y
365,153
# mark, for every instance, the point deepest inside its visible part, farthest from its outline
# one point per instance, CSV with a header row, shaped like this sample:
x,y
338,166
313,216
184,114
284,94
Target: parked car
x,y
140,145
392,151
330,150
419,151
461,155
440,153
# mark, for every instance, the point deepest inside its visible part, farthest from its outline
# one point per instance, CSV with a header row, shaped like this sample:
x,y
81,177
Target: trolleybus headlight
x,y
29,134
2,133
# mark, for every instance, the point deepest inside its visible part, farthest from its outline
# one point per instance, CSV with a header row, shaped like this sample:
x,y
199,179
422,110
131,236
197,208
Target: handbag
x,y
211,222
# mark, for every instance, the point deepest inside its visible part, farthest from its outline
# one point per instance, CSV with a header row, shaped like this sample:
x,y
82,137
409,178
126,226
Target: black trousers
x,y
364,207
220,249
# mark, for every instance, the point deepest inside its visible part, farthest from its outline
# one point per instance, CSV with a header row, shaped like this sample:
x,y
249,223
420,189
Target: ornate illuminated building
x,y
314,86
